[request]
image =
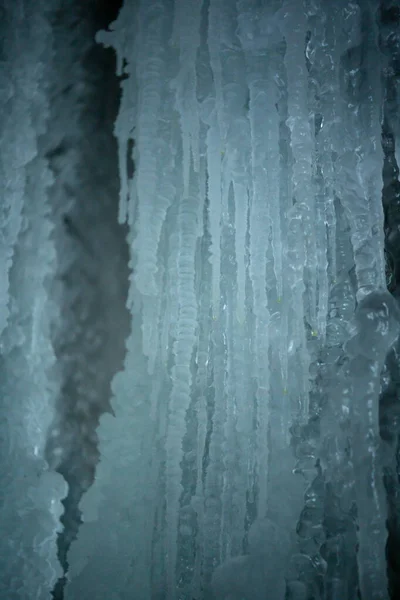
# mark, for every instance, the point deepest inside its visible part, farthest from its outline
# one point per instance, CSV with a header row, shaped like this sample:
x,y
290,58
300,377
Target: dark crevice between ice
x,y
93,257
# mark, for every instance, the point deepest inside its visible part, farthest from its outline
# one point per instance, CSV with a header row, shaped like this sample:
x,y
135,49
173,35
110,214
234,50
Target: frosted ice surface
x,y
258,228
31,495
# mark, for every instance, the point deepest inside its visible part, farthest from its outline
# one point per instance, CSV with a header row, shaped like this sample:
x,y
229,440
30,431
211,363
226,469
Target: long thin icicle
x,y
301,255
357,145
186,36
214,210
324,92
301,141
181,375
259,228
150,72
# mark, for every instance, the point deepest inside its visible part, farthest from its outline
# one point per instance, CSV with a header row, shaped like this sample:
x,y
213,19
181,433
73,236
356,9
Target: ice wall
x,y
30,494
256,228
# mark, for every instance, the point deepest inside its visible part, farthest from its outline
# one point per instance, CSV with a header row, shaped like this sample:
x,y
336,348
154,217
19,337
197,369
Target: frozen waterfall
x,y
257,153
242,458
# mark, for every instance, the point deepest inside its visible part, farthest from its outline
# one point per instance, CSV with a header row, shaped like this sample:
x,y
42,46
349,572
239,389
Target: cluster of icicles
x,y
255,227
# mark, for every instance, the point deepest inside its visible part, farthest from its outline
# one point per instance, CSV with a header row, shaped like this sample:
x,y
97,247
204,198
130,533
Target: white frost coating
x,y
18,148
30,494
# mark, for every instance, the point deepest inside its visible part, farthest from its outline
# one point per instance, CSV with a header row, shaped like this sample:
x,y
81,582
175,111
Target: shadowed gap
x,y
90,343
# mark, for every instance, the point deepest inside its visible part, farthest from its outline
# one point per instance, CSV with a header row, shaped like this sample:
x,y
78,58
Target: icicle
x,y
259,225
125,123
322,104
156,180
301,143
123,131
325,217
377,326
216,466
285,194
241,211
214,208
273,171
186,36
203,359
167,182
181,375
301,250
227,543
243,423
150,70
215,26
239,411
241,172
240,179
373,159
358,148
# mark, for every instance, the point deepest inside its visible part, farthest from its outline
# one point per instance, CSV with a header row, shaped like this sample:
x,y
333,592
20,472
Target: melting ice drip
x,y
255,227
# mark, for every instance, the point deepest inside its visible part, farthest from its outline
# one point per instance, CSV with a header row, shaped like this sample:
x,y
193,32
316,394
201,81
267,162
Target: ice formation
x,y
243,459
30,493
256,229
